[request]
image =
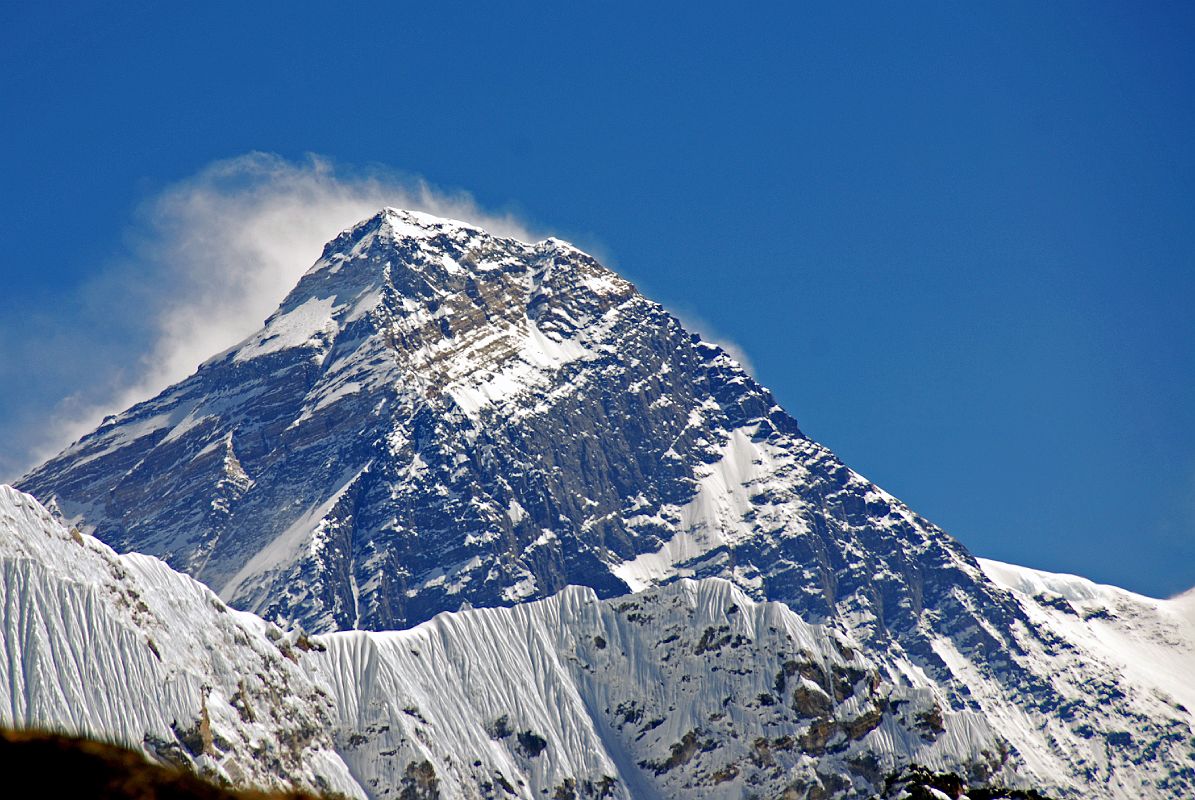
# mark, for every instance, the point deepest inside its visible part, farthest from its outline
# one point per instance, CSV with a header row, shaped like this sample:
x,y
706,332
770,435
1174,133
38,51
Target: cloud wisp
x,y
696,323
209,259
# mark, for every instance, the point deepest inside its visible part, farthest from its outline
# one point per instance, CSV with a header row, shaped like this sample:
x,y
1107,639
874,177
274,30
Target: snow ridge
x,y
542,698
123,647
689,689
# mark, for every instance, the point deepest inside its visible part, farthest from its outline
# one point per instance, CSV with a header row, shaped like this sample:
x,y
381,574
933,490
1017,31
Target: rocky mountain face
x,y
438,418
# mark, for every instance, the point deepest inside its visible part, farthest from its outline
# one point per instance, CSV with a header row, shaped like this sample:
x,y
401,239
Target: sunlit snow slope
x,y
123,647
1150,641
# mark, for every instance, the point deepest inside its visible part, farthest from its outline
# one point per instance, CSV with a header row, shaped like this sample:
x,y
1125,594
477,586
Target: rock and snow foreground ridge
x,y
124,648
437,418
691,689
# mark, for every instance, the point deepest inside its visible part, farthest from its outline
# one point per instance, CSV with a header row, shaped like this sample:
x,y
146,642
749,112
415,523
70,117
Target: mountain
x,y
689,689
539,698
436,418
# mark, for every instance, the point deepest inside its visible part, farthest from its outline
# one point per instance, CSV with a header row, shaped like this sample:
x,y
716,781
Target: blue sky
x,y
957,240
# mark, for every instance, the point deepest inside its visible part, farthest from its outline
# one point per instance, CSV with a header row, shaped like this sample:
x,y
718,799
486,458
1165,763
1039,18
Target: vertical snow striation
x,y
692,689
124,648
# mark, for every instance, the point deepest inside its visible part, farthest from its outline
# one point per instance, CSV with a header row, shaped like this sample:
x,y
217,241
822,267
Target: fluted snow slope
x,y
690,688
687,690
123,647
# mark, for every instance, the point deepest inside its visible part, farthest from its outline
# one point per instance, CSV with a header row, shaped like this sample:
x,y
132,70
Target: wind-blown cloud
x,y
210,258
695,323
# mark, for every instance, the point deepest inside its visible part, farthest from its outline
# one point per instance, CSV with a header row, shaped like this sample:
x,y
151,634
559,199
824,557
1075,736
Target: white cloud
x,y
211,257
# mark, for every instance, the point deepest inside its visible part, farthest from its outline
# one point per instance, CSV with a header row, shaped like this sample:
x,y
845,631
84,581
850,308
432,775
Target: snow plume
x,y
209,259
706,330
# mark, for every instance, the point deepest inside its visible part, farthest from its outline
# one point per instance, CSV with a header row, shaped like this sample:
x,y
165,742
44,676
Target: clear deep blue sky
x,y
957,240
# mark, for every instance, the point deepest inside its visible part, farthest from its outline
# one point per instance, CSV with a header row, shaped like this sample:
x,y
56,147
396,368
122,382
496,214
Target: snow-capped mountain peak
x,y
438,418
